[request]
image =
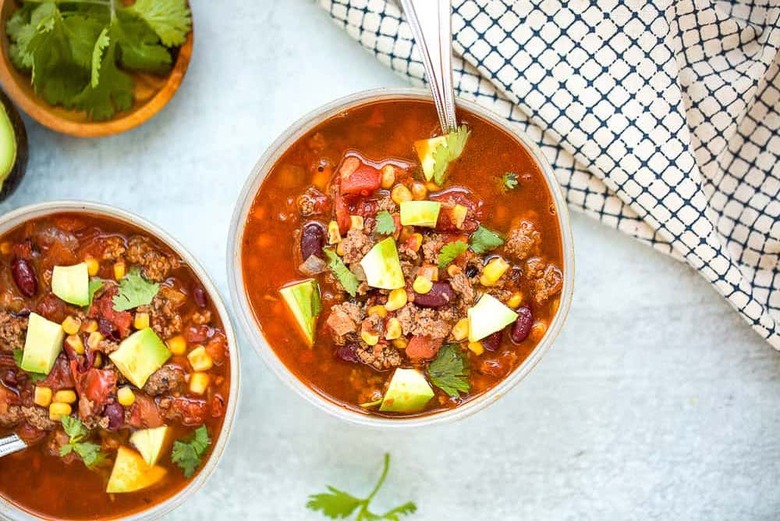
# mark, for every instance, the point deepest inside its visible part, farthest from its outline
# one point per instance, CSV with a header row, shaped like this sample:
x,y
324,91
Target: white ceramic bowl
x,y
13,219
252,328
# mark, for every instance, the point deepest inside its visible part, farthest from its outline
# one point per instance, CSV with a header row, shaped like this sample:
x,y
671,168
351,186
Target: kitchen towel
x,y
660,117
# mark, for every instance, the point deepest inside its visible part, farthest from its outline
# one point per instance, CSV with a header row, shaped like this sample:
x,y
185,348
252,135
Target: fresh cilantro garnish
x,y
34,377
134,291
385,224
450,251
95,285
342,273
509,179
484,240
448,371
337,504
188,454
73,50
449,151
88,451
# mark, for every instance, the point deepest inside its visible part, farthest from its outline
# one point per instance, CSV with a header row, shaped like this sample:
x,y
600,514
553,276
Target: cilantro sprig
x,y
449,372
450,251
134,291
88,451
448,152
509,180
337,504
188,455
341,272
79,53
484,240
385,224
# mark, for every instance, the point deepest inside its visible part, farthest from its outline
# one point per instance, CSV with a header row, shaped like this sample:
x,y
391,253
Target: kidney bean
x,y
440,295
492,342
471,270
199,296
312,240
115,414
24,277
522,326
347,353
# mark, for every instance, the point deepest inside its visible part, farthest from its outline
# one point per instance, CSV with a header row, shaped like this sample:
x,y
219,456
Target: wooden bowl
x,y
152,92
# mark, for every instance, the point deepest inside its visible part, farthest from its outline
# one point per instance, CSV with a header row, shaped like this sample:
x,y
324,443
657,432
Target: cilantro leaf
x,y
95,285
139,47
385,224
189,454
101,44
134,291
170,19
34,377
450,251
448,152
337,504
342,273
83,33
114,91
509,179
88,451
448,371
484,240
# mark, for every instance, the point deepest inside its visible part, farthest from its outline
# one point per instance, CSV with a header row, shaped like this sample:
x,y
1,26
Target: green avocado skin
x,y
14,177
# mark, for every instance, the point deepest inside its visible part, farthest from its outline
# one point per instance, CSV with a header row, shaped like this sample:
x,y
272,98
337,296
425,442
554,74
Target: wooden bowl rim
x,y
39,110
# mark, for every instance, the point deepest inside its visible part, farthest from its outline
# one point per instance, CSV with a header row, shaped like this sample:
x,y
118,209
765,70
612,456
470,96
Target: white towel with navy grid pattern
x,y
660,117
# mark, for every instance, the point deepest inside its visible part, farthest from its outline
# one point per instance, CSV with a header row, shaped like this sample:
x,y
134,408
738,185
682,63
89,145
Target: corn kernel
x,y
538,330
5,248
419,192
429,272
461,329
71,325
93,266
396,299
393,330
369,337
377,310
119,270
388,176
476,348
400,343
65,396
515,300
458,215
94,339
177,345
432,187
141,321
453,270
199,383
75,343
58,410
340,249
90,326
334,236
98,362
125,396
200,359
493,271
42,396
401,194
356,222
422,285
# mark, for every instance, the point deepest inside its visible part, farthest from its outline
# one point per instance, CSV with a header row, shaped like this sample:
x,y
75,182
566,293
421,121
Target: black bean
x,y
522,326
312,239
24,277
440,295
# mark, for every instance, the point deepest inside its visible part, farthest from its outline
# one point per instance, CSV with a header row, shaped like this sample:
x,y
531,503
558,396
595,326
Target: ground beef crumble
x,y
356,244
155,264
12,331
523,240
166,380
343,321
418,321
380,357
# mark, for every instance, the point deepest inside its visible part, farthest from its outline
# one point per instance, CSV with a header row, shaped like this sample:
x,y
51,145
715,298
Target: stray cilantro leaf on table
x,y
88,451
484,240
448,371
188,455
337,504
342,273
134,291
448,152
450,251
385,224
509,180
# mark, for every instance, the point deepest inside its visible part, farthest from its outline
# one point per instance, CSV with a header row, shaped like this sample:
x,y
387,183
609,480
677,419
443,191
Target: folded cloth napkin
x,y
660,117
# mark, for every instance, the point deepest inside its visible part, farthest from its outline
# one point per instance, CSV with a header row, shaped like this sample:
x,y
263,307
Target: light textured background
x,y
657,402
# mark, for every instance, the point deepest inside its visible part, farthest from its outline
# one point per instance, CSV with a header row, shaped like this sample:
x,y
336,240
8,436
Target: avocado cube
x,y
426,149
150,443
488,316
303,300
408,391
420,213
132,473
140,355
382,266
42,345
71,284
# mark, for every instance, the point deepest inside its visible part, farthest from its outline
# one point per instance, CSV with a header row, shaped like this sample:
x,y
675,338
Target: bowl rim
x,y
252,329
23,214
41,111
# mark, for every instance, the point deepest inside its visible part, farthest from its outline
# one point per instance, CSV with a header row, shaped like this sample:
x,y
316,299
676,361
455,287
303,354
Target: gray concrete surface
x,y
657,402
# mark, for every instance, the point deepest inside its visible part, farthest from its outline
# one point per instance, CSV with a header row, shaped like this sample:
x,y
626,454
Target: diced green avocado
x,y
42,345
131,473
151,443
71,284
303,299
488,316
425,151
408,391
140,355
382,267
420,213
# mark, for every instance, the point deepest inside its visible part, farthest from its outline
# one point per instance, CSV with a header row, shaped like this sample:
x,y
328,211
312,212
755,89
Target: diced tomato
x,y
341,209
59,254
190,411
366,208
423,347
144,413
98,386
104,307
59,377
363,181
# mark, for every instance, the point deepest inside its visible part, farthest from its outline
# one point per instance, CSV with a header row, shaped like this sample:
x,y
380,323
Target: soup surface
x,y
397,272
114,368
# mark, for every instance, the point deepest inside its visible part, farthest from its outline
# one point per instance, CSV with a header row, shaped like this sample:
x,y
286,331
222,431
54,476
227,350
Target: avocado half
x,y
13,147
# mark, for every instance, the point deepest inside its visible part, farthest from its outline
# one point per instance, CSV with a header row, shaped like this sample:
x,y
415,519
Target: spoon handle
x,y
431,22
11,444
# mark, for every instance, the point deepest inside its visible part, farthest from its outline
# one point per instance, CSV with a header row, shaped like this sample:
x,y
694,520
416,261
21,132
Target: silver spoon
x,y
11,444
431,22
